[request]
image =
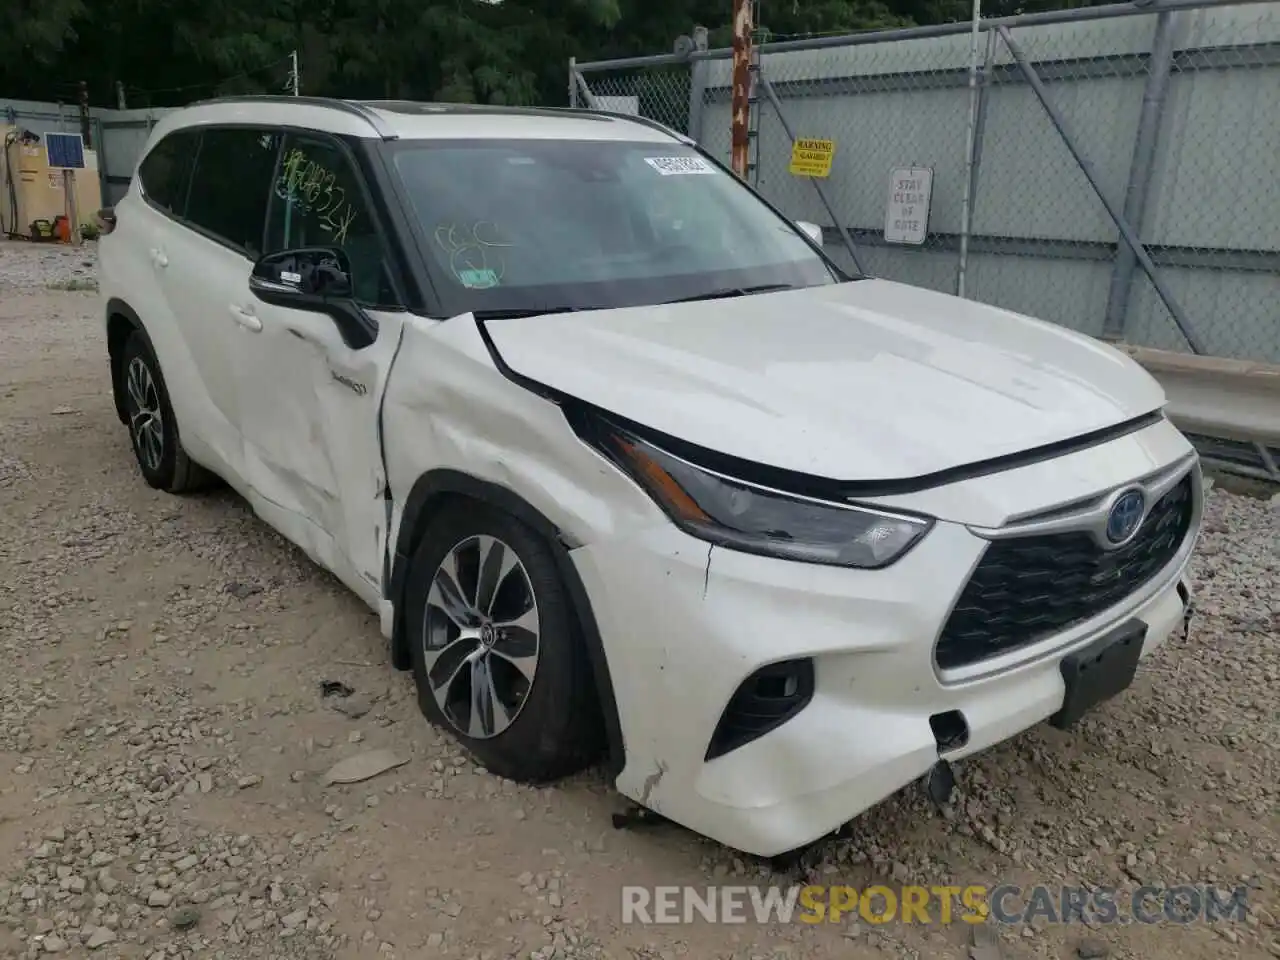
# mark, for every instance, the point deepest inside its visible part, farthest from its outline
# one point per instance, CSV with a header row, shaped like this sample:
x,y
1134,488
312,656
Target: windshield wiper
x,y
517,313
735,292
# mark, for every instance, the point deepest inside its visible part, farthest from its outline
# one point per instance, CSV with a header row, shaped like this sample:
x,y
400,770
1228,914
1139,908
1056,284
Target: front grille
x,y
1029,588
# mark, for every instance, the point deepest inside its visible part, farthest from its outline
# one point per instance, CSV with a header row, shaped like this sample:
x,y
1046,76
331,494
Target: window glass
x,y
231,184
577,223
166,171
317,202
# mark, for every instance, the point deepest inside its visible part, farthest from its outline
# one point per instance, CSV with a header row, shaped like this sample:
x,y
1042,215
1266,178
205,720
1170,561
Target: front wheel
x,y
497,656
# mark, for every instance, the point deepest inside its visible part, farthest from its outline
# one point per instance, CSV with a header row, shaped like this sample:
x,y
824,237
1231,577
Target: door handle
x,y
246,318
158,257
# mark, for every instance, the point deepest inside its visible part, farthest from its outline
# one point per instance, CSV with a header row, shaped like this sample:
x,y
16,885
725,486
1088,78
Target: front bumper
x,y
684,624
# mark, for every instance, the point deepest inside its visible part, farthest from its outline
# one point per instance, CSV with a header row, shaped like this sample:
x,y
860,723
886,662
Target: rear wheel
x,y
497,656
153,429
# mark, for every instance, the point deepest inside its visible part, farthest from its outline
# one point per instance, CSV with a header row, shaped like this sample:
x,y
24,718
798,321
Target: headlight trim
x,y
640,458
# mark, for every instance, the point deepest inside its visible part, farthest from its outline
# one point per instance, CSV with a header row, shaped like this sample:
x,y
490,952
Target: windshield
x,y
574,224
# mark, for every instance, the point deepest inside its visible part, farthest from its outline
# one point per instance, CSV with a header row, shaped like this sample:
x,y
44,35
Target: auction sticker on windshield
x,y
478,279
675,166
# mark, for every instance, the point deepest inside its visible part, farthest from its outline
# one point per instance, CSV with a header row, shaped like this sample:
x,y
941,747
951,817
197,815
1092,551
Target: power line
x,y
247,74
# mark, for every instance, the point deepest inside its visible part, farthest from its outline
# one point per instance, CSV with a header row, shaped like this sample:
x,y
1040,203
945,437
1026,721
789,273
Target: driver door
x,y
309,397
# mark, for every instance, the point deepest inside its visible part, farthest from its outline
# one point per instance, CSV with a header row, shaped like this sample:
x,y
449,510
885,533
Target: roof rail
x,y
635,117
367,112
351,107
430,107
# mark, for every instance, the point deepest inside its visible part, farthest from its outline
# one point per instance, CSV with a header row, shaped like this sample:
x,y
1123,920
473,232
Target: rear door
x,y
136,270
205,269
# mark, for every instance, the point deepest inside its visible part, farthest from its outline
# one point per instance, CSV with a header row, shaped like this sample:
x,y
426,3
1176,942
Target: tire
x,y
553,722
153,429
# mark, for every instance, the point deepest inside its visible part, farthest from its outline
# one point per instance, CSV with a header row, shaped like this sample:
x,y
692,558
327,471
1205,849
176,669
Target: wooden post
x,y
741,85
85,131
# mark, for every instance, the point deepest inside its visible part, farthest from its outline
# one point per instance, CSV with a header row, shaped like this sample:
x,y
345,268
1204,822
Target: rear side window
x,y
234,170
166,172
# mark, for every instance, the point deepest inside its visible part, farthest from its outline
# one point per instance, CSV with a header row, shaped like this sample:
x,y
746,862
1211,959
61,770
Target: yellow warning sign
x,y
812,158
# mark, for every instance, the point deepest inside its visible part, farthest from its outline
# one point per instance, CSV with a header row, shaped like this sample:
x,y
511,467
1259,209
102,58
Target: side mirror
x,y
311,278
813,231
318,280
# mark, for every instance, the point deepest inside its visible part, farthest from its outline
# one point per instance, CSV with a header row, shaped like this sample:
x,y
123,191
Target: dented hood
x,y
869,380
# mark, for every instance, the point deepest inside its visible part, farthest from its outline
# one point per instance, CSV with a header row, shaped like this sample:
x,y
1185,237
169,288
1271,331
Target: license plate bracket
x,y
1100,671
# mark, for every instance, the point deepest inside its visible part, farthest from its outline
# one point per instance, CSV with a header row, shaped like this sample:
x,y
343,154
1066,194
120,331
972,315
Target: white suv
x,y
627,465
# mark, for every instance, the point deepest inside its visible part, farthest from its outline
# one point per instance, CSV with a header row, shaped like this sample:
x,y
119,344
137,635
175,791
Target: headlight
x,y
755,519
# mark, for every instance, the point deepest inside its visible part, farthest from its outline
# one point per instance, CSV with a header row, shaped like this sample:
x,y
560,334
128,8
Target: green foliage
x,y
39,30
491,51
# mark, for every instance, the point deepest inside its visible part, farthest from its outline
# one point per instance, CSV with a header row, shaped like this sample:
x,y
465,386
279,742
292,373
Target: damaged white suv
x,y
627,465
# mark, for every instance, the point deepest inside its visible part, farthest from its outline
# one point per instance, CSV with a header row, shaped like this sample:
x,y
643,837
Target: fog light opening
x,y
765,701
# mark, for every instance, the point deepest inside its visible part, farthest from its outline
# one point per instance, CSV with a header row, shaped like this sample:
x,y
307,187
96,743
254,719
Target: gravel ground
x,y
164,744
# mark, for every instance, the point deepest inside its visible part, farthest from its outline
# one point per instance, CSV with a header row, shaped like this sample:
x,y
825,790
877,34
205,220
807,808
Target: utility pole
x,y
120,101
741,86
294,79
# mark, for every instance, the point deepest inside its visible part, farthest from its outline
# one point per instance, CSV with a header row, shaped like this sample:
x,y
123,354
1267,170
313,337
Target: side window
x,y
231,184
317,202
165,172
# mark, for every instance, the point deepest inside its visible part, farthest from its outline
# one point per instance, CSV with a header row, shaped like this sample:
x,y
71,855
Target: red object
x,y
741,105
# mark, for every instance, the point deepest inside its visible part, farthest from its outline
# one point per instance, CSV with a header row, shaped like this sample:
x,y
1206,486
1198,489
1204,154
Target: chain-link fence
x,y
1115,169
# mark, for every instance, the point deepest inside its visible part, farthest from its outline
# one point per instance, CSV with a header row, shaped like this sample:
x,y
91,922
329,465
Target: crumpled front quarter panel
x,y
447,406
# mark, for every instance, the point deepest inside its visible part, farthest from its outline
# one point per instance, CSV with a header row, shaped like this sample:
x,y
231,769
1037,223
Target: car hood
x,y
867,380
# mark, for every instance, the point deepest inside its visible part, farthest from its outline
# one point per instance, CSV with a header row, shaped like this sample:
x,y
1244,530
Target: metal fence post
x,y
1144,156
584,90
1086,167
698,73
822,194
973,161
1268,461
100,138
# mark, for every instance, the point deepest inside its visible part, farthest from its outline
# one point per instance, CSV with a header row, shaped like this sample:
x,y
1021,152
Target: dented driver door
x,y
310,417
309,399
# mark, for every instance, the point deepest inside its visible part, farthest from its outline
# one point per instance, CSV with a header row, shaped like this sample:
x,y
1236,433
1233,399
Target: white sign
x,y
676,166
906,219
627,105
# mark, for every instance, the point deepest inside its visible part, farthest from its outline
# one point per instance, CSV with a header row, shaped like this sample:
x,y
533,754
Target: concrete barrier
x,y
1232,400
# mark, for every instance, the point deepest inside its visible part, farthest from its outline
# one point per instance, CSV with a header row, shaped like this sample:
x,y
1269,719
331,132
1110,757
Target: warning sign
x,y
906,218
812,158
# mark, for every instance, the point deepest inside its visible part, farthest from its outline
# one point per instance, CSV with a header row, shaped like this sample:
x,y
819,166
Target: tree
x,y
166,52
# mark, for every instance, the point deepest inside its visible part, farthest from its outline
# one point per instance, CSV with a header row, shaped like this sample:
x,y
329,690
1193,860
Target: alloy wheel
x,y
146,422
481,636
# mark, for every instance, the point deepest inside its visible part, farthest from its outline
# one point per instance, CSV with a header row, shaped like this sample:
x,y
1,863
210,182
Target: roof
x,y
414,120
